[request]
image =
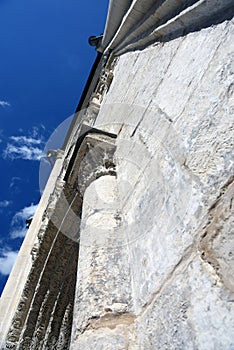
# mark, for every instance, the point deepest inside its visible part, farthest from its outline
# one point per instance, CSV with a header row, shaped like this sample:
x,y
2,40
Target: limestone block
x,y
103,292
190,312
108,337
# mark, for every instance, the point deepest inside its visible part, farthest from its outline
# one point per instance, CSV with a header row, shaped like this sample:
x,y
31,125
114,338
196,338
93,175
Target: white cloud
x,y
25,212
1,135
14,180
23,152
26,140
36,131
4,204
7,260
18,222
4,104
20,233
25,147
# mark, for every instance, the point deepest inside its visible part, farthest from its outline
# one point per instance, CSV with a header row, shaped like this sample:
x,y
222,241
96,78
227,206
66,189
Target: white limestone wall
x,y
172,108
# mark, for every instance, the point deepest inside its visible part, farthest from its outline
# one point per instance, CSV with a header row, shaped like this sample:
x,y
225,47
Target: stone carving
x,y
103,84
53,154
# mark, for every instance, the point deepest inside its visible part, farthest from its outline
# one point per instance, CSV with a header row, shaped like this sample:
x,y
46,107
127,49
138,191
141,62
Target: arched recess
x,y
43,319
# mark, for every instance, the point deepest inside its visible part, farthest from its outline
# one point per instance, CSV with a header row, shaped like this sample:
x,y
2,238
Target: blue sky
x,y
45,60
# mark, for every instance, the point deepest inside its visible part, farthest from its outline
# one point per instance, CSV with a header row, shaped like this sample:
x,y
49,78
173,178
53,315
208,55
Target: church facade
x,y
132,243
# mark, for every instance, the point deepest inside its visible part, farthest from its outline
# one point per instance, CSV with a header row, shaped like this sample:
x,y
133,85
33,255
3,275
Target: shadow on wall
x,y
196,25
165,23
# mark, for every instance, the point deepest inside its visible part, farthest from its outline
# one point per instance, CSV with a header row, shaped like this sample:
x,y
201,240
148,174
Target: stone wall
x,y
171,106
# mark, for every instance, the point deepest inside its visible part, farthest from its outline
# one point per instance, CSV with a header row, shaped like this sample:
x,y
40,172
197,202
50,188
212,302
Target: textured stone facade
x,y
135,247
171,106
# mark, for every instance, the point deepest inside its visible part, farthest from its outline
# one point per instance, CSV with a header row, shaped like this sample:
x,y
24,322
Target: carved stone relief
x,y
104,83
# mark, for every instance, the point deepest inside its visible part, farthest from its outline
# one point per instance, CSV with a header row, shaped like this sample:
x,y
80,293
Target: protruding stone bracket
x,y
53,155
93,157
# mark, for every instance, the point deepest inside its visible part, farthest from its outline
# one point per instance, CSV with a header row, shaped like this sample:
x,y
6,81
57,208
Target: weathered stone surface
x,y
105,338
103,295
192,311
174,176
217,239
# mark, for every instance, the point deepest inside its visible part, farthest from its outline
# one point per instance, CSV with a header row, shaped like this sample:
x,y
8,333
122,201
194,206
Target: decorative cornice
x,y
153,21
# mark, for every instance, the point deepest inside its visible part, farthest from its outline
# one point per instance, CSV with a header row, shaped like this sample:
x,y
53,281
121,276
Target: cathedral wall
x,y
171,107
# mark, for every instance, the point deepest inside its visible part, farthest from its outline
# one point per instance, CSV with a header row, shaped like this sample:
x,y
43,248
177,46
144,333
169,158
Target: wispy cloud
x,y
20,233
5,203
25,147
14,180
7,260
22,152
1,135
18,222
4,103
24,213
26,140
36,131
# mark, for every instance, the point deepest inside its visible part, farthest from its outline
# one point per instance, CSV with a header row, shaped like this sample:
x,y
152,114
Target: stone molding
x,y
145,24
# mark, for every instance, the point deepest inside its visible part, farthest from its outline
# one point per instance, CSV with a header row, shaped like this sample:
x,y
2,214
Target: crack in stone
x,y
219,213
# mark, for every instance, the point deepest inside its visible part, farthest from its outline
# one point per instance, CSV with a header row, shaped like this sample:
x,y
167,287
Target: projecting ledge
x,y
93,157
